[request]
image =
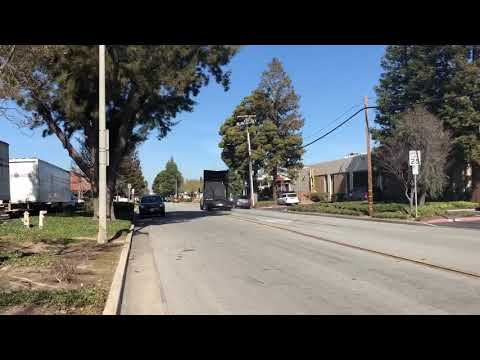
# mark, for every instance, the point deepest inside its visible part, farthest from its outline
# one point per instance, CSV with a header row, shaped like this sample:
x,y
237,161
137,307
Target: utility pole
x,y
369,161
249,119
102,181
176,186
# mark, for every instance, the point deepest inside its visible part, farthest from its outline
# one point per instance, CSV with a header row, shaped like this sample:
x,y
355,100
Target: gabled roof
x,y
354,163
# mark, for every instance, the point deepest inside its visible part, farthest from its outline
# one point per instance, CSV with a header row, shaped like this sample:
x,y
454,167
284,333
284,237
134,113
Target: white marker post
x,y
41,218
415,161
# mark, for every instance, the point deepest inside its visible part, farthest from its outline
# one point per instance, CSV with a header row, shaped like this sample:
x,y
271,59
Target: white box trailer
x,y
37,181
4,173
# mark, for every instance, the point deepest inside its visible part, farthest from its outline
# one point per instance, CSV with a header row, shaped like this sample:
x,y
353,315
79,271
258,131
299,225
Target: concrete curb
x,y
460,219
114,300
405,222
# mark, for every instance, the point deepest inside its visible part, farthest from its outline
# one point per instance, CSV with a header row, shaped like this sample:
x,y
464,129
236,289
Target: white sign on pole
x,y
415,169
414,157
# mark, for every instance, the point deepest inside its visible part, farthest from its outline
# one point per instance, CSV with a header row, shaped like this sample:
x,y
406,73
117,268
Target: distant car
x,y
242,202
357,194
75,203
288,199
151,205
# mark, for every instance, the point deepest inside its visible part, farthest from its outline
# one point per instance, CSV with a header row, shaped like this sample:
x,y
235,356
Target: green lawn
x,y
59,228
384,210
74,297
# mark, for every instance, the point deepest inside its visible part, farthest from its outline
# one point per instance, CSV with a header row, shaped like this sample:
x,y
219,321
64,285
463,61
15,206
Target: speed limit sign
x,y
414,157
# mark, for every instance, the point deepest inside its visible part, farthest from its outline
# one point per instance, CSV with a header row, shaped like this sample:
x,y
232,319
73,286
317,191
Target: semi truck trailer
x,y
35,183
215,191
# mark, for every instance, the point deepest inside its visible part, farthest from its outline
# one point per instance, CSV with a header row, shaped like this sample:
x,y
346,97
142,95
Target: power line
x,y
339,125
330,123
376,107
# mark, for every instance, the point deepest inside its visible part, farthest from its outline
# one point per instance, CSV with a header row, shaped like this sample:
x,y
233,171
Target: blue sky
x,y
329,80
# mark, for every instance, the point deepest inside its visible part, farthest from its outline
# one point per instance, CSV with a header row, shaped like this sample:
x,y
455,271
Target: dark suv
x,y
151,205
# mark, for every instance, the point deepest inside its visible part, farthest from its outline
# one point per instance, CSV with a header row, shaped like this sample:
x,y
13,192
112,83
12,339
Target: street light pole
x,y
102,181
249,119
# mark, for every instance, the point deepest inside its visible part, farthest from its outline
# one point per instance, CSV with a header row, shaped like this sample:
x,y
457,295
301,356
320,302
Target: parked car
x,y
288,199
151,205
360,193
242,202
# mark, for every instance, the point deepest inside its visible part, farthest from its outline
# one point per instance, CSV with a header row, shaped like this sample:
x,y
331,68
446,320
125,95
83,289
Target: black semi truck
x,y
215,191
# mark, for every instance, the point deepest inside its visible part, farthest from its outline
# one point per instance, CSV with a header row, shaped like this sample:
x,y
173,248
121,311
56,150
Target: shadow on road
x,y
174,217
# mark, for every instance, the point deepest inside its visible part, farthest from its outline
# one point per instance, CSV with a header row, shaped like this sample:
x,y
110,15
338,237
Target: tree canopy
x,y
130,172
146,87
444,79
168,180
191,185
417,129
275,137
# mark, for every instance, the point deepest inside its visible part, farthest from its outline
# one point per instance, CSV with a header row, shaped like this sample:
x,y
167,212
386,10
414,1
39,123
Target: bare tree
x,y
417,129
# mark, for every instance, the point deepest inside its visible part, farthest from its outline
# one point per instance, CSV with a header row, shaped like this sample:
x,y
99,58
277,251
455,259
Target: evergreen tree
x,y
275,138
445,80
168,181
130,172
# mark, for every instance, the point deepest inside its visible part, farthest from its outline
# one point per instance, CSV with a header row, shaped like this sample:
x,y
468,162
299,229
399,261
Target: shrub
x,y
390,207
339,197
327,209
318,197
391,215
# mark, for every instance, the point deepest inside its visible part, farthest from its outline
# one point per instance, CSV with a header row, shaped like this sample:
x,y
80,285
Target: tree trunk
x,y
421,198
274,184
476,180
110,194
409,197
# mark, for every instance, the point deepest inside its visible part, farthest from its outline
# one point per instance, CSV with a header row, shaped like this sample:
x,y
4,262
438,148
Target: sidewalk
x,y
142,294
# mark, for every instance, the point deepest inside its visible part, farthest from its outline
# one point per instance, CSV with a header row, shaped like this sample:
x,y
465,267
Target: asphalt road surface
x,y
264,262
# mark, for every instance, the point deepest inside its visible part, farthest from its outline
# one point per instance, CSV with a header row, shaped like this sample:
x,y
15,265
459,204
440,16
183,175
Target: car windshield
x,y
292,195
151,199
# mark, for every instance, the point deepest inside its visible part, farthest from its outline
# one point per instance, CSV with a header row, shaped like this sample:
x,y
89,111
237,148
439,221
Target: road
x,y
250,262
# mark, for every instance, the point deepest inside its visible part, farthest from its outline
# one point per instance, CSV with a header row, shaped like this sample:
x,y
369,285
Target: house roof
x,y
353,163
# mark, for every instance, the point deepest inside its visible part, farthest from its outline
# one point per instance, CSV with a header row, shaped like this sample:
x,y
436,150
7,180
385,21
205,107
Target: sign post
x,y
415,161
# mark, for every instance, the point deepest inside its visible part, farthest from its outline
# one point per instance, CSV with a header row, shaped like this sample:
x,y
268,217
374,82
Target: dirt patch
x,y
56,278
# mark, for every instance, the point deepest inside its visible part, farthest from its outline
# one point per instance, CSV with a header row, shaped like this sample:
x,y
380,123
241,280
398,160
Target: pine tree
x,y
275,138
130,172
169,180
445,80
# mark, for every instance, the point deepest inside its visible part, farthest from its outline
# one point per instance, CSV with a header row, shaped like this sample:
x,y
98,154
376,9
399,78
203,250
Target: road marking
x,y
397,257
276,221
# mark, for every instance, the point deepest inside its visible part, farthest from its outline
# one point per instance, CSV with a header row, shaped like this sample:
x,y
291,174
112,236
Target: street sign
x,y
129,186
414,157
415,169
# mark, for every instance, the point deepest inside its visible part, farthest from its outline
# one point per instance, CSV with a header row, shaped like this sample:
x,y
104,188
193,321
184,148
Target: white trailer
x,y
35,181
4,173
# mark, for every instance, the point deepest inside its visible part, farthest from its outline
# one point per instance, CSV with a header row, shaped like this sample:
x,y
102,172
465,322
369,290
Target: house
x,y
334,177
79,185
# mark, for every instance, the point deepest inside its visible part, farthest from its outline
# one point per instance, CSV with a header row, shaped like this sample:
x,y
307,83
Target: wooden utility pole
x,y
249,119
369,160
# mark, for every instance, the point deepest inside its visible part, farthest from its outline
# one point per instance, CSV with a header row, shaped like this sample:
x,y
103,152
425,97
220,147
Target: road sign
x,y
414,157
415,169
129,186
